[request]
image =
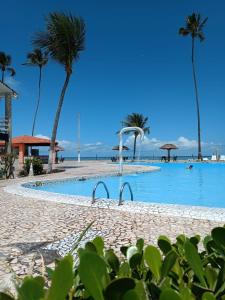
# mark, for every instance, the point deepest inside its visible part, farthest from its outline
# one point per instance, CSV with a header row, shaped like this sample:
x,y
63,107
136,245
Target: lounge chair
x,y
222,157
213,158
205,159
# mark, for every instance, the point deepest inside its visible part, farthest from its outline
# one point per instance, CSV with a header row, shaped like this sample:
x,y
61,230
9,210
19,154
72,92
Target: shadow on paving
x,y
37,248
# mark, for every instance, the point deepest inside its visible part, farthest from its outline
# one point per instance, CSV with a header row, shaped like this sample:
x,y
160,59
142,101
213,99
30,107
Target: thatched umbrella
x,y
168,147
118,148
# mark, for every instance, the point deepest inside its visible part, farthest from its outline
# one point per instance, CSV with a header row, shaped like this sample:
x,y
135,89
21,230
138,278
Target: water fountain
x,y
126,129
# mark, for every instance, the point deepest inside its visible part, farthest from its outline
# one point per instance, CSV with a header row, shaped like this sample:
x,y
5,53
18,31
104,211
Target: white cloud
x,y
42,136
184,144
88,147
67,145
181,142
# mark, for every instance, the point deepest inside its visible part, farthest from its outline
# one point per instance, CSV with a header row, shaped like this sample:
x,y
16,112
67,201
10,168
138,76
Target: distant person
x,y
190,167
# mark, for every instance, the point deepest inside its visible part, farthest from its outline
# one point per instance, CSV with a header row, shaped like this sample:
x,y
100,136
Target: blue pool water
x,y
204,185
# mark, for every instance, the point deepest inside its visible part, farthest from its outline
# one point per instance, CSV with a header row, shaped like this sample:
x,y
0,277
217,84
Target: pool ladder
x,y
121,192
107,191
95,188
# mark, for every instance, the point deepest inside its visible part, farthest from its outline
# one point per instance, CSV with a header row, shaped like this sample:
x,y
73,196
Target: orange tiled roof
x,y
30,140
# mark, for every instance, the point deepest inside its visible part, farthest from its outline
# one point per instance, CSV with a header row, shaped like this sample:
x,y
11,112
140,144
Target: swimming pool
x,y
204,185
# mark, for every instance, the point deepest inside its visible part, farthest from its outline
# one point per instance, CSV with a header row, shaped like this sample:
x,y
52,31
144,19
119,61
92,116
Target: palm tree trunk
x,y
8,118
56,122
197,99
38,100
135,142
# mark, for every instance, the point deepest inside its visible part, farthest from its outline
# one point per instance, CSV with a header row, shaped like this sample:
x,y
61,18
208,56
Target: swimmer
x,y
190,167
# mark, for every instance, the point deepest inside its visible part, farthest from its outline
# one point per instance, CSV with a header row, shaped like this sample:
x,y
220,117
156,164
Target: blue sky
x,y
134,61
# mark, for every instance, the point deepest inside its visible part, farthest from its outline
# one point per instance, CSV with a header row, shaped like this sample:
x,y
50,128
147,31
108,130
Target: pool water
x,y
203,185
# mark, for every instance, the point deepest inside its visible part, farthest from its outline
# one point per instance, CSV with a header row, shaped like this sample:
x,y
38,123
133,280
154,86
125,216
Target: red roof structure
x,y
29,141
24,141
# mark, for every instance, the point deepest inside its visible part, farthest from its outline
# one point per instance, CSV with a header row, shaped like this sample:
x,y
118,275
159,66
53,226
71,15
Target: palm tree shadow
x,y
38,248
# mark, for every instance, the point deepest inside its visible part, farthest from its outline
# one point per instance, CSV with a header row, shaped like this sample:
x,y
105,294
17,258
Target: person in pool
x,y
190,167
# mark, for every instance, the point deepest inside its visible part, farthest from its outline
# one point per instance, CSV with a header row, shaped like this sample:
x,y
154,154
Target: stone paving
x,y
31,227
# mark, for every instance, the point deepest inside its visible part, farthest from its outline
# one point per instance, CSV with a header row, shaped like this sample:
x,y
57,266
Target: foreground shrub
x,y
37,166
176,271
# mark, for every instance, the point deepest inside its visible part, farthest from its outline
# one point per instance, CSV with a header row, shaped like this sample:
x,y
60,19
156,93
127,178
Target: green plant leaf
x,y
99,245
123,250
135,260
93,273
81,236
208,296
195,240
118,287
90,247
154,290
186,294
194,261
4,296
153,259
178,270
181,239
62,279
206,242
124,270
164,244
211,275
140,244
112,260
218,235
31,288
49,271
131,251
132,295
140,290
168,263
170,294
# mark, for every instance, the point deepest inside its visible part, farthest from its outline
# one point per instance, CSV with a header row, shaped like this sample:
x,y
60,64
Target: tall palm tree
x,y
63,39
5,62
39,59
136,120
194,27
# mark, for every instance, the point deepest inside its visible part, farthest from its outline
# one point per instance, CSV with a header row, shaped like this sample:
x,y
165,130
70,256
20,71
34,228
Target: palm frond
x,y
194,26
202,24
36,58
63,39
201,36
5,59
12,71
136,120
183,31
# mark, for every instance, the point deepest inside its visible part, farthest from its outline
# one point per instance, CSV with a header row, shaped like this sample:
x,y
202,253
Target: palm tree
x,y
194,27
5,62
136,120
63,39
39,59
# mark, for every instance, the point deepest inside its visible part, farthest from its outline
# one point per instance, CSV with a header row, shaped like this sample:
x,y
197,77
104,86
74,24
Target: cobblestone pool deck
x,y
33,223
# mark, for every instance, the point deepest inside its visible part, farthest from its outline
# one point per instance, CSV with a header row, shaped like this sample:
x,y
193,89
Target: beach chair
x,y
205,159
222,157
213,158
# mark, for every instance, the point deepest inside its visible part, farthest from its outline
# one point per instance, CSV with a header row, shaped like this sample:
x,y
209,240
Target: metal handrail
x,y
121,192
94,190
